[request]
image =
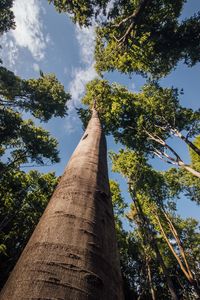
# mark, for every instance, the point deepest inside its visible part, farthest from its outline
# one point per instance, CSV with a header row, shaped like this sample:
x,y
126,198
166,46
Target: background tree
x,y
153,197
143,36
187,183
24,197
21,141
44,97
6,16
143,121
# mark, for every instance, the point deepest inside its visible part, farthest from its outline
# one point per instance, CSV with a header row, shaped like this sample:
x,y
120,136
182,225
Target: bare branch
x,y
155,137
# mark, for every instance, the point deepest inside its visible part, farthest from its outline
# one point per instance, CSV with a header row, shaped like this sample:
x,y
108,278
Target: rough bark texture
x,y
72,253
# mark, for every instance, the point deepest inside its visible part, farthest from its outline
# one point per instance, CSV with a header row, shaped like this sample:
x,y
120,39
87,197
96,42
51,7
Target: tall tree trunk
x,y
72,253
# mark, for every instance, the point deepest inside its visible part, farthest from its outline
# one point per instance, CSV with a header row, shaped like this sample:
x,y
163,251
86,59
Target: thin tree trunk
x,y
175,235
153,294
72,253
172,250
165,272
154,246
191,145
192,281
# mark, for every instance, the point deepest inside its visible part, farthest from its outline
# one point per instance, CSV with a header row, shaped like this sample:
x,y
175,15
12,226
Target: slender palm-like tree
x,y
72,253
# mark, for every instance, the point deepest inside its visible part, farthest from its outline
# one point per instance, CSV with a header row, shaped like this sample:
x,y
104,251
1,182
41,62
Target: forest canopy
x,y
159,249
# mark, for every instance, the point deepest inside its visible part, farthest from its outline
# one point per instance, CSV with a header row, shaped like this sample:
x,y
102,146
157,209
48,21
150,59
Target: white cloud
x,y
70,125
86,39
10,51
29,29
80,78
28,33
36,67
82,75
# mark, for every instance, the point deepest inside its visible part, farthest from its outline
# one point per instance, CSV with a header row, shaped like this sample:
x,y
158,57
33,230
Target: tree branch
x,y
167,158
134,17
185,139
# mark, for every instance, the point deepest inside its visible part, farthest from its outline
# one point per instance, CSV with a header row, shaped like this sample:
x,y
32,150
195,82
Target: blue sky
x,y
49,41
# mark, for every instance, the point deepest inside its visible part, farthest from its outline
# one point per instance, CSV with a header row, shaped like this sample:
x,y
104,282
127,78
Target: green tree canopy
x,y
82,11
154,213
143,36
23,142
44,97
145,120
6,16
24,197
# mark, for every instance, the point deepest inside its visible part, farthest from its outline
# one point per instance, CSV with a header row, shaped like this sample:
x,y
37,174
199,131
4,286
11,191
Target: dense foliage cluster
x,y
143,36
24,197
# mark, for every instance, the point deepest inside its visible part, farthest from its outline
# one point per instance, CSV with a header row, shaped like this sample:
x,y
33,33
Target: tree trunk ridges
x,y
72,253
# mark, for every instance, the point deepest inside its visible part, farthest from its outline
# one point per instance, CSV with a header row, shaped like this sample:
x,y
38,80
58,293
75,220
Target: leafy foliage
x,y
24,197
44,97
195,158
151,41
6,16
82,11
153,195
22,141
131,116
143,36
117,200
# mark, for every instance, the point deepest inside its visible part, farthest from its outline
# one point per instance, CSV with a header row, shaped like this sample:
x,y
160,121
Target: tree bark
x,y
72,253
153,294
189,169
